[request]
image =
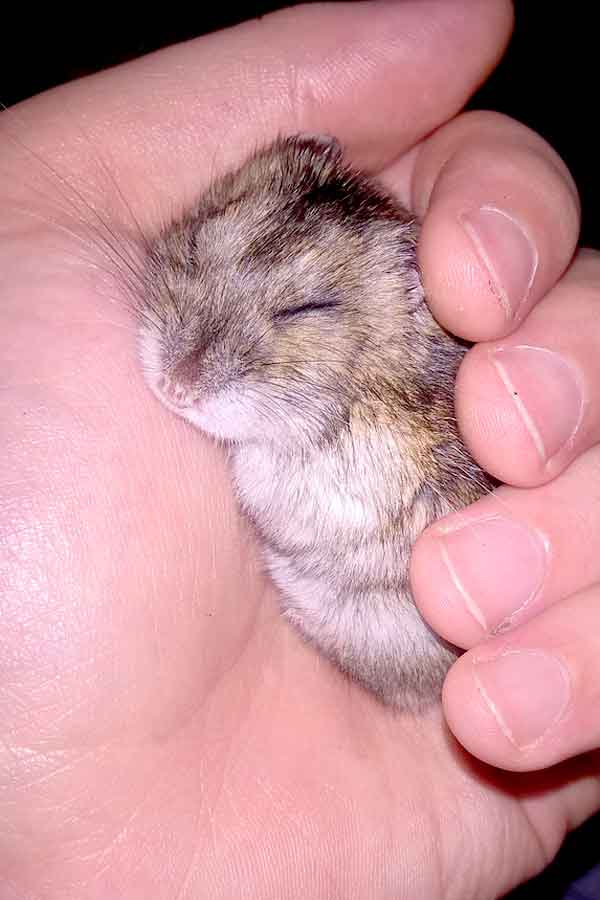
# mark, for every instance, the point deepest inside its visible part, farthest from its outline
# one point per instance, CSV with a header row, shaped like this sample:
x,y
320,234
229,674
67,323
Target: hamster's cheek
x,y
228,416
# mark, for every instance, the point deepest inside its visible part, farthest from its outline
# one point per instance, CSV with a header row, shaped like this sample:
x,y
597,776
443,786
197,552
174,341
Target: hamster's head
x,y
268,307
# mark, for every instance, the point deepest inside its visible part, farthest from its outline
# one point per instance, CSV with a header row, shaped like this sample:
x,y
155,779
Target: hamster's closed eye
x,y
310,306
285,315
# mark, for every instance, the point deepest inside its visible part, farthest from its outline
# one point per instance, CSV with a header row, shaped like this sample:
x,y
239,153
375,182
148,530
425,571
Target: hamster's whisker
x,y
106,240
154,324
276,392
80,237
257,340
88,256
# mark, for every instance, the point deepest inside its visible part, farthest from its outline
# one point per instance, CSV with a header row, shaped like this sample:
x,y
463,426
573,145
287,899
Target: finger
x,y
532,699
527,406
374,73
511,555
501,221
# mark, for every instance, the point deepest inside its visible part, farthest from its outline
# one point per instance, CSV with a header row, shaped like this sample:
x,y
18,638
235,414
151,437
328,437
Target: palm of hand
x,y
181,738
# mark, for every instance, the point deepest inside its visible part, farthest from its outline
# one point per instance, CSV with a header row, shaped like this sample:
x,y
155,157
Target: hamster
x,y
284,315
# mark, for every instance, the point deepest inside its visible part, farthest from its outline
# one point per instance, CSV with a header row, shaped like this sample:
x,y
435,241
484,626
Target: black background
x,y
547,80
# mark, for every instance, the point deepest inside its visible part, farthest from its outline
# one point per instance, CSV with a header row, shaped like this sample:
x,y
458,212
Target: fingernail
x,y
546,392
496,566
526,691
506,253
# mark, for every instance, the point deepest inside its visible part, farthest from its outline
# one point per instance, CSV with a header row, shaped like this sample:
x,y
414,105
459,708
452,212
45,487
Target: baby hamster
x,y
284,315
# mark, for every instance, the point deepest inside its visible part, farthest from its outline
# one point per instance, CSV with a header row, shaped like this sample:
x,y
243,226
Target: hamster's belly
x,y
335,517
337,537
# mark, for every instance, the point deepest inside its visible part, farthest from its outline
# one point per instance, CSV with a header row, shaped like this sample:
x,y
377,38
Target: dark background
x,y
547,80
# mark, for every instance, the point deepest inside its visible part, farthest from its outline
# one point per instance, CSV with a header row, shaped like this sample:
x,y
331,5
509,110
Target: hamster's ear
x,y
320,144
321,153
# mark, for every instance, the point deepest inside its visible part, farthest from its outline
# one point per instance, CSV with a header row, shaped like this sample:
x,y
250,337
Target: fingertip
x,y
477,310
472,721
440,595
509,705
500,223
468,721
491,424
519,408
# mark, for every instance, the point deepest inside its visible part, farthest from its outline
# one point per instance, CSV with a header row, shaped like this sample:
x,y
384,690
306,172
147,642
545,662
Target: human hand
x,y
163,732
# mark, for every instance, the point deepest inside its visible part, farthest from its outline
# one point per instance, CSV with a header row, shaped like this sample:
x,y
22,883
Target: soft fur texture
x,y
285,316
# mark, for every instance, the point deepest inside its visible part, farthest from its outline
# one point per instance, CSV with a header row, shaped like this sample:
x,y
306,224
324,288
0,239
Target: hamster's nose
x,y
174,393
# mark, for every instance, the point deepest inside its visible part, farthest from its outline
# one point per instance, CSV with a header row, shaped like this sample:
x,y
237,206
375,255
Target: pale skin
x,y
163,732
